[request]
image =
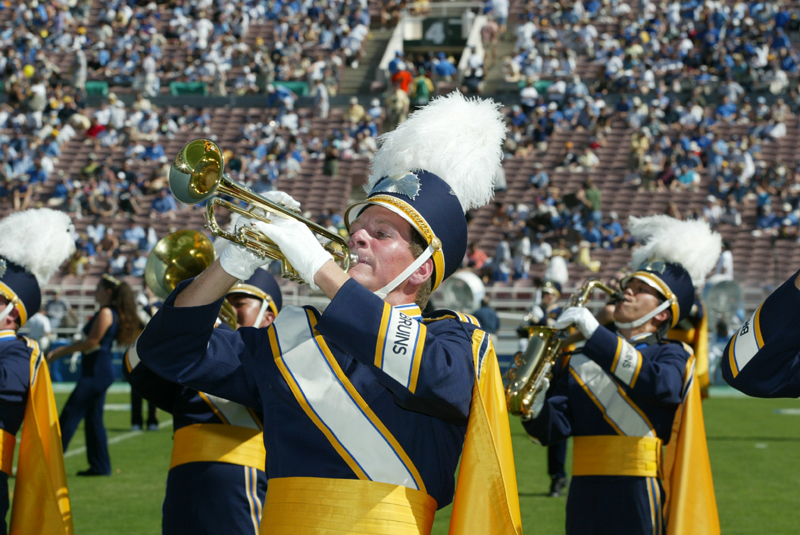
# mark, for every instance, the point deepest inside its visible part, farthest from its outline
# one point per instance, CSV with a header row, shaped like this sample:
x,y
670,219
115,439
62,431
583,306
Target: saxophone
x,y
527,373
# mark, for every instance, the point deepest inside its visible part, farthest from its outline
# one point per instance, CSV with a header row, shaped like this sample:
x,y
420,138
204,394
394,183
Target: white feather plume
x,y
38,240
691,244
458,139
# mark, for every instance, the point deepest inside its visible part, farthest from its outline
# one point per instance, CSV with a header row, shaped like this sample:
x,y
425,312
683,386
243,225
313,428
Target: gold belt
x,y
317,506
7,445
218,443
616,456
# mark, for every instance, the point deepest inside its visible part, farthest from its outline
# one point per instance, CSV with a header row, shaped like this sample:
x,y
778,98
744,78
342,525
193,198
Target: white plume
x,y
38,240
691,244
458,139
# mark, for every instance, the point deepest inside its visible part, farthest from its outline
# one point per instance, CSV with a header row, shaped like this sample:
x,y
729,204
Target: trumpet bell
x,y
196,171
179,256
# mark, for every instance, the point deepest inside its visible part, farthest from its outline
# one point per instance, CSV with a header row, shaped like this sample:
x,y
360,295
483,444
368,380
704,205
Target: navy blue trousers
x,y
86,402
556,457
613,505
213,498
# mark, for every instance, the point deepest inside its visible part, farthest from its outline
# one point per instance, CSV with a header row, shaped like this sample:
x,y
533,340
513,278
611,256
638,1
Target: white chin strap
x,y
6,311
261,312
644,319
415,265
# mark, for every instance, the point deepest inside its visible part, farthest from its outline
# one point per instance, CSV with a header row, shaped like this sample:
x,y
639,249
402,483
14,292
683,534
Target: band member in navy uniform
x,y
368,406
116,320
762,357
622,394
216,482
33,244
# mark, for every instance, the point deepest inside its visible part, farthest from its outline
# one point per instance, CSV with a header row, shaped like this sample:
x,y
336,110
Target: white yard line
x,y
116,439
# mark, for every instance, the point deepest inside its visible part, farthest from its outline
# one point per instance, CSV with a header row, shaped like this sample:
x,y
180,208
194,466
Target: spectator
x,y
502,259
59,312
139,263
541,251
163,206
487,316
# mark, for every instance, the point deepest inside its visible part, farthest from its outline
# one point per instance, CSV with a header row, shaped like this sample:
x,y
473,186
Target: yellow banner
x,y
486,499
41,498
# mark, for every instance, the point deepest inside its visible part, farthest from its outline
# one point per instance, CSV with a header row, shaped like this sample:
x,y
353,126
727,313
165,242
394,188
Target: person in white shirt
x,y
725,263
39,329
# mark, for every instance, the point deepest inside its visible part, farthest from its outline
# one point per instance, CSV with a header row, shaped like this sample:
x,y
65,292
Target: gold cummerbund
x,y
317,506
616,456
7,444
218,443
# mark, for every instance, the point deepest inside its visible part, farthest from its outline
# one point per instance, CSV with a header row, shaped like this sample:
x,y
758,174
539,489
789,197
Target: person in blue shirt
x,y
726,110
164,205
153,152
443,67
487,316
115,320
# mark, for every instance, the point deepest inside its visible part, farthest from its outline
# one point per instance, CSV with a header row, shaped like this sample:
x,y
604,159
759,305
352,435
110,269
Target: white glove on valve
x,y
281,197
239,262
581,317
299,245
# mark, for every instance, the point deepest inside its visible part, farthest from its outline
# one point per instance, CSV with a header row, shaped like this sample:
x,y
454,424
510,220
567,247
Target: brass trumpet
x,y
179,256
197,174
526,377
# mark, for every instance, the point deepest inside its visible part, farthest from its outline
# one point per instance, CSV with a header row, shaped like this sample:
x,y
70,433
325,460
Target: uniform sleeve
x,y
428,368
182,346
763,357
654,374
554,423
15,371
158,391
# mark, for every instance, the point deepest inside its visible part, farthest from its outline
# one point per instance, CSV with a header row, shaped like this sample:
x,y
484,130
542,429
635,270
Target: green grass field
x,y
755,457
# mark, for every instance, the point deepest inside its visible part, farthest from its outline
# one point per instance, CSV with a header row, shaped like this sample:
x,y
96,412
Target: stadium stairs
x,y
359,81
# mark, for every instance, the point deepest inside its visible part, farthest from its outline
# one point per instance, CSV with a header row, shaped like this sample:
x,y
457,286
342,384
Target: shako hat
x,y
434,167
263,286
674,259
33,244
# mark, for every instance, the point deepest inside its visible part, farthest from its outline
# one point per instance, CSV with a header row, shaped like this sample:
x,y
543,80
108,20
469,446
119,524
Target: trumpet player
x,y
761,358
629,391
368,405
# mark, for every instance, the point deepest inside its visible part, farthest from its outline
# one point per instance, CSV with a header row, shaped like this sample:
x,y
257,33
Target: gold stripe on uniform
x,y
310,505
7,444
218,443
608,455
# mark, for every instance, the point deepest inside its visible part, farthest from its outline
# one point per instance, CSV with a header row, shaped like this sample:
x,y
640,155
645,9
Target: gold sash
x,y
616,456
218,443
316,506
7,445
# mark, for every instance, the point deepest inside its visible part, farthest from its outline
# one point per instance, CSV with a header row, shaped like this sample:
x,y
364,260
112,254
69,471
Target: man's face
x,y
548,298
381,239
640,298
247,308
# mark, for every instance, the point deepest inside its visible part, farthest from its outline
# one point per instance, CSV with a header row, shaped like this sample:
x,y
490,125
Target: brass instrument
x,y
179,256
526,376
197,174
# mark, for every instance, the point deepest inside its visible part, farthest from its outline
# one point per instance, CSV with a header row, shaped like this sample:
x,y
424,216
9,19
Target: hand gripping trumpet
x,y
197,174
526,375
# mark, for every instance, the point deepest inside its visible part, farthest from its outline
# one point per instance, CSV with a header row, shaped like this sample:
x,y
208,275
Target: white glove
x,y
581,317
239,262
280,197
538,401
298,244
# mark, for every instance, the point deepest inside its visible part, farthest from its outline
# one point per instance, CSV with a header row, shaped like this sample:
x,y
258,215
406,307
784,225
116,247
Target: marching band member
x,y
762,357
33,244
368,406
117,320
627,393
216,482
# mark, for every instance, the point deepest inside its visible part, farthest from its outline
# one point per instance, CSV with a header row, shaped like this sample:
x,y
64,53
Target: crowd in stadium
x,y
689,69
